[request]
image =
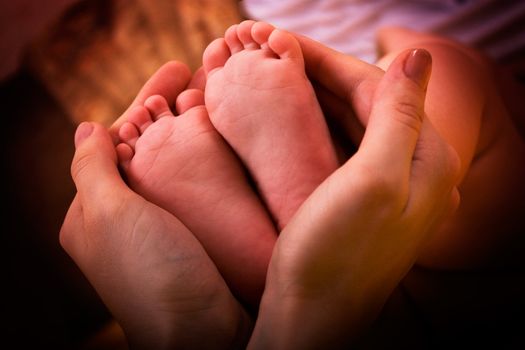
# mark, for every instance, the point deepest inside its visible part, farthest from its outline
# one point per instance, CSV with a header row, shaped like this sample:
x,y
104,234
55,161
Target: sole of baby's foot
x,y
183,165
262,103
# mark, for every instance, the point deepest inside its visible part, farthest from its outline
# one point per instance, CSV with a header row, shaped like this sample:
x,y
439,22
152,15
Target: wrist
x,y
224,326
295,318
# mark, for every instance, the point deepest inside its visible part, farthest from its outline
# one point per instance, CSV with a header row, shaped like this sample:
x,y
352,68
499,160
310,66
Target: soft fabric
x,y
495,26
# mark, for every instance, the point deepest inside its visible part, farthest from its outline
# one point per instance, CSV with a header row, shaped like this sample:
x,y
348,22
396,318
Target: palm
x,y
150,270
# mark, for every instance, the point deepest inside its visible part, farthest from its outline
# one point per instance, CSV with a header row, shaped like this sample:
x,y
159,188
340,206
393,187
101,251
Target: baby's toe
x,y
158,107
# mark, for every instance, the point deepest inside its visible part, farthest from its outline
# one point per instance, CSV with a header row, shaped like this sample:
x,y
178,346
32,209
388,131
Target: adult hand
x,y
168,81
345,87
350,244
151,272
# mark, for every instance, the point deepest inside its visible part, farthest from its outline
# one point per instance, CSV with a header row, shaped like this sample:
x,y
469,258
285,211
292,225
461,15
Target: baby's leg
x,y
262,103
466,108
183,165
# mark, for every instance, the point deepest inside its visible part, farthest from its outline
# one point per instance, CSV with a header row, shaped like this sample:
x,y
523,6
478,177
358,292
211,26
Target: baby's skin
x,y
271,119
182,164
260,100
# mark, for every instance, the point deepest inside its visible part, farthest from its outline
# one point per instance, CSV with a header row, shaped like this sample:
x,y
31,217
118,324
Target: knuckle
x,y
380,188
81,163
408,114
110,210
448,166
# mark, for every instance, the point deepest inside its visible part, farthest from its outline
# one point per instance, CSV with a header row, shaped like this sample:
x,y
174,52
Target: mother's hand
x,y
345,87
358,234
150,271
147,267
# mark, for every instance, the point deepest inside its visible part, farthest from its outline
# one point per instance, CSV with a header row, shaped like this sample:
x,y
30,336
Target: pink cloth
x,y
495,26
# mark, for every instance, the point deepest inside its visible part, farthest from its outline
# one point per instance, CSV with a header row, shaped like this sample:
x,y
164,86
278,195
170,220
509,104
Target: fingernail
x,y
418,66
83,131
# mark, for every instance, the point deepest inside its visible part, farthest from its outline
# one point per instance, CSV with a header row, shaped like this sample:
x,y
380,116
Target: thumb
x,y
397,113
94,168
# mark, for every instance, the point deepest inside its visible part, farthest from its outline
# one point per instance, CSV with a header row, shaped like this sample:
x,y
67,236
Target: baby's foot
x,y
169,81
183,165
262,103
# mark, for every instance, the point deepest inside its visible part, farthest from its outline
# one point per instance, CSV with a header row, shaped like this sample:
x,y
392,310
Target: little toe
x,y
124,155
158,107
232,39
189,99
244,32
261,32
129,134
285,45
216,55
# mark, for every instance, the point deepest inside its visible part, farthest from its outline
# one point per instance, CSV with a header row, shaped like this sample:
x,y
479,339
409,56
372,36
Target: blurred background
x,y
62,62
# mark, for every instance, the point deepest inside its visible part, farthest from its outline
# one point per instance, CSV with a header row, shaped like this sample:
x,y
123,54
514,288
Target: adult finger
x,y
168,81
397,114
94,167
434,173
345,76
341,118
198,81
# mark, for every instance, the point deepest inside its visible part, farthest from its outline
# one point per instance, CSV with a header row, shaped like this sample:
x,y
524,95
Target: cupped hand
x,y
358,234
151,272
